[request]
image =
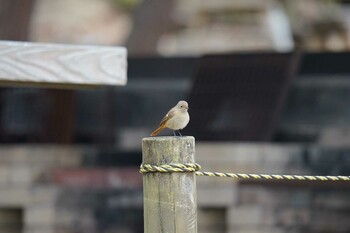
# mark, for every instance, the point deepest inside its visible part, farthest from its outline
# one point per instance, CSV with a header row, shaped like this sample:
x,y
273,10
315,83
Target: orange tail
x,y
160,128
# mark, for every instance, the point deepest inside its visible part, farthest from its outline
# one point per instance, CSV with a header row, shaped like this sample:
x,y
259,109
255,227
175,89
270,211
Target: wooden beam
x,y
170,202
59,65
60,125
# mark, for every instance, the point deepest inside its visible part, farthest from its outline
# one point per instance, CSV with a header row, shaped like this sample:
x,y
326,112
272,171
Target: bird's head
x,y
182,105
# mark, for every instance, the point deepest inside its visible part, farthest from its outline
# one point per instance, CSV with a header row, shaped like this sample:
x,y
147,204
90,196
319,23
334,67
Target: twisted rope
x,y
168,168
194,167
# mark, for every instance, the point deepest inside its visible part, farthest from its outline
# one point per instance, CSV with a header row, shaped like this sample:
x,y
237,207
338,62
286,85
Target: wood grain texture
x,y
25,62
170,203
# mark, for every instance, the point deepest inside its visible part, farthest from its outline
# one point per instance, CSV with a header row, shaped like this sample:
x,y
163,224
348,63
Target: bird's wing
x,y
169,115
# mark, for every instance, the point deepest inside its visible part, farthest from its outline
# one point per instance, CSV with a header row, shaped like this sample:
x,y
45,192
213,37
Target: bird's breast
x,y
178,121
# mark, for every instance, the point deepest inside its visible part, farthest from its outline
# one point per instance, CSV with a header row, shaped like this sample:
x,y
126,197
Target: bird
x,y
177,118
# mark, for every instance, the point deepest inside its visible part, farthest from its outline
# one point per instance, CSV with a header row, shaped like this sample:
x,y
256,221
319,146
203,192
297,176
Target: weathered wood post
x,y
170,203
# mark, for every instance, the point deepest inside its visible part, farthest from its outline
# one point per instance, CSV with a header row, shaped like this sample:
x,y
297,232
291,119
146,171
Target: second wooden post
x,y
170,203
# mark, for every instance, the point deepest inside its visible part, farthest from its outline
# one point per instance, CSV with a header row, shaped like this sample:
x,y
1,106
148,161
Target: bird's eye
x,y
181,106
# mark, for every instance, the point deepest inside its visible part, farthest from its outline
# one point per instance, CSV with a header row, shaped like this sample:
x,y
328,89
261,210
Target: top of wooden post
x,y
56,65
168,149
168,138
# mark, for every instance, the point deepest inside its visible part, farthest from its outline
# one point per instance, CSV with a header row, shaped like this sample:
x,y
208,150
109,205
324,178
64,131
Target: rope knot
x,y
169,168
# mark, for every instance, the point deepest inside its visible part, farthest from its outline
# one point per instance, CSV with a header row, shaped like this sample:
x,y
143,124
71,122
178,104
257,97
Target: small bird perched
x,y
177,118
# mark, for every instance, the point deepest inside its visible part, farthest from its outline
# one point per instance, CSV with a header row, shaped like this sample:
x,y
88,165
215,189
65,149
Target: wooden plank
x,y
57,65
170,203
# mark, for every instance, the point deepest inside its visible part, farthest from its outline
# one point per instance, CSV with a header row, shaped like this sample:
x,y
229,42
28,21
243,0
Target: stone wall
x,y
248,207
25,184
60,190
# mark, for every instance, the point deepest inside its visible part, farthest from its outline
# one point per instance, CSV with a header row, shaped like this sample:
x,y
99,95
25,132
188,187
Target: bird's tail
x,y
155,132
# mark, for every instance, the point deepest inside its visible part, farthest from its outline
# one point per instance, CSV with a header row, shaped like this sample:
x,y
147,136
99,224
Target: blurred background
x,y
268,84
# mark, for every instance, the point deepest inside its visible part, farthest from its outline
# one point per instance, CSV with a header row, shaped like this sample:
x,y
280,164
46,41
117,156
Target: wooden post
x,y
170,203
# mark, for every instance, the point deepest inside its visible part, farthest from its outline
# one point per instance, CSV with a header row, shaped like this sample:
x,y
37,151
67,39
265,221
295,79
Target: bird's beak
x,y
187,108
